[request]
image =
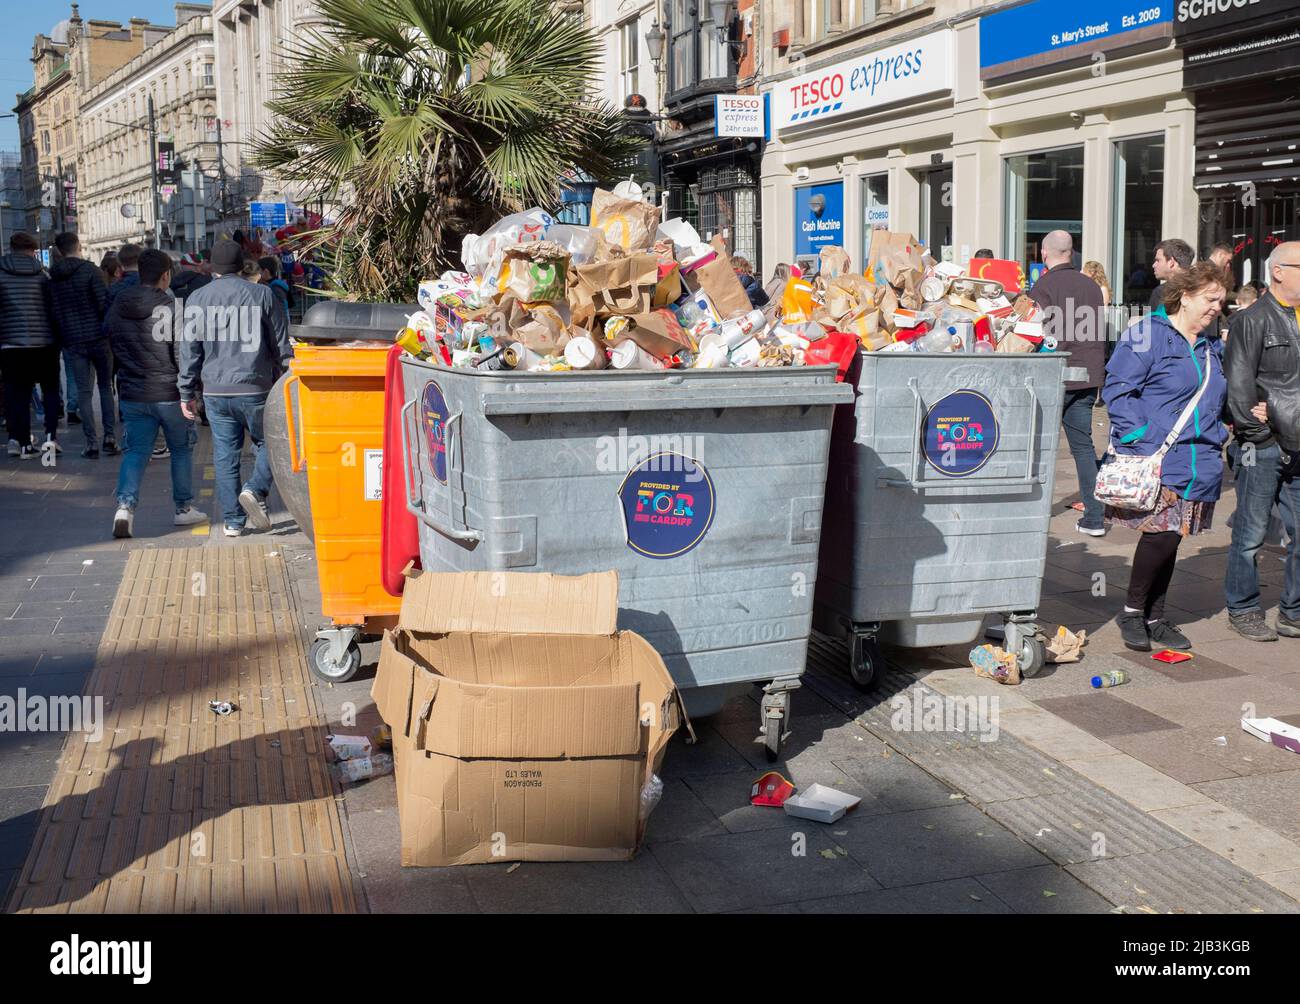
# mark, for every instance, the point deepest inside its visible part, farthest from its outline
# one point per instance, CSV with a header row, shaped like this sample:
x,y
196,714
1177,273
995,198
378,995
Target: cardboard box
x,y
524,724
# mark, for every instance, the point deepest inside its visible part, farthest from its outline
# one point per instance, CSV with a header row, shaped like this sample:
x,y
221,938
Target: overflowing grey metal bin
x,y
938,502
702,488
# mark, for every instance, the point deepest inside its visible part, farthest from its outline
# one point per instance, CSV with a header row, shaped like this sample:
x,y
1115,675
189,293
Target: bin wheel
x,y
866,662
324,666
1032,656
772,739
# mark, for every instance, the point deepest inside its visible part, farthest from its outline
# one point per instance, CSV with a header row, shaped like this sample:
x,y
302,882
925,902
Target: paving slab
x,y
176,810
1043,890
957,896
1270,799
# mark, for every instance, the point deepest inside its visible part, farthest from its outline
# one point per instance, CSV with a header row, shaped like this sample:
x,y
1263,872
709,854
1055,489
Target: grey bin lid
x,y
337,321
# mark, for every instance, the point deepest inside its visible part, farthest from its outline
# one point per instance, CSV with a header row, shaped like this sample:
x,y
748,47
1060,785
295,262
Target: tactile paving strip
x,y
176,809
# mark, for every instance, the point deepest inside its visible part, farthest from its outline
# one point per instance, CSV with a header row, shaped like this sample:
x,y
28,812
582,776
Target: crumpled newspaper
x,y
1065,645
992,663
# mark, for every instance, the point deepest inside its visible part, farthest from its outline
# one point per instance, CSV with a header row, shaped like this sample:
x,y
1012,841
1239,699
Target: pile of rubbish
x,y
626,293
632,293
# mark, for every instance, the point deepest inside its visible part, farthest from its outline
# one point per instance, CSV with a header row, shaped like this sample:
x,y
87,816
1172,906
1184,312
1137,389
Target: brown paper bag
x,y
833,262
659,333
1066,645
619,286
719,280
627,223
535,272
885,242
1012,342
669,288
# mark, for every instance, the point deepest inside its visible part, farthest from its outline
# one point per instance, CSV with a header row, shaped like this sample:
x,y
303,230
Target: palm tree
x,y
430,119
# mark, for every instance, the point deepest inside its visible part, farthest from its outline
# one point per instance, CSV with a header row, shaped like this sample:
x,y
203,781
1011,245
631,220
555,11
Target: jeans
x,y
230,417
1076,416
71,398
142,420
21,370
90,366
1259,486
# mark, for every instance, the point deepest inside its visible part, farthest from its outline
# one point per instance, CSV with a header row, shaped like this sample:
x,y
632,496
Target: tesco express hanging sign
x,y
908,71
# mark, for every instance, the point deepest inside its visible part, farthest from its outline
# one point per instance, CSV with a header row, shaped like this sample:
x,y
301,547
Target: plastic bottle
x,y
351,771
1114,678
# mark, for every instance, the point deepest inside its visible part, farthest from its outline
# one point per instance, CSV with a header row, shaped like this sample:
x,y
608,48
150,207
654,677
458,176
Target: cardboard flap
x,y
391,689
515,602
472,720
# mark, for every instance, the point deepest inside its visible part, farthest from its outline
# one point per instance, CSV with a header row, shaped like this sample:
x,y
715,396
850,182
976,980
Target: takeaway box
x,y
525,726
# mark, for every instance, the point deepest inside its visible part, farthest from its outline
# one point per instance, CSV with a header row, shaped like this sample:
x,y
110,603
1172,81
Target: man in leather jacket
x,y
1262,361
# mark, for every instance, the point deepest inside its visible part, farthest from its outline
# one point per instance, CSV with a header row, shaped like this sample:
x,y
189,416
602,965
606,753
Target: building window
x,y
45,140
1044,193
208,79
1139,196
697,54
629,58
936,212
875,207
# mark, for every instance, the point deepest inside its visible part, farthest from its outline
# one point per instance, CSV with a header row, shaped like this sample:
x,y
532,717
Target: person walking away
x,y
1075,315
1262,358
79,296
128,259
144,326
1165,380
1095,271
188,277
29,346
1172,256
269,266
237,369
111,268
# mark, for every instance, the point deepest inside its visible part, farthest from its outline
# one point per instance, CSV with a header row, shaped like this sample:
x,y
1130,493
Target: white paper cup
x,y
630,356
585,354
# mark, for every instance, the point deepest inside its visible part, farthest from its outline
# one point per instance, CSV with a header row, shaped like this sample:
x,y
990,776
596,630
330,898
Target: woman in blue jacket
x,y
1154,373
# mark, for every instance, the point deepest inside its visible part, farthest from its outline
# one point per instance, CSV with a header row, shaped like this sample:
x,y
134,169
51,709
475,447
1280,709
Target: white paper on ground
x,y
820,803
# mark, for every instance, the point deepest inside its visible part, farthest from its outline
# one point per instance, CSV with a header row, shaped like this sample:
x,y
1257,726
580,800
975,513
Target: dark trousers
x,y
1076,417
21,370
1153,568
91,366
1265,482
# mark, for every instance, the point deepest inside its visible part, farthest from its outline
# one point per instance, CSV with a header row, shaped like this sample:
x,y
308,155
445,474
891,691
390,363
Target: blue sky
x,y
24,20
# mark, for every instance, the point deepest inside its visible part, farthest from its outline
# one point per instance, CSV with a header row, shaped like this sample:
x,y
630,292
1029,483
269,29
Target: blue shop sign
x,y
818,217
1041,34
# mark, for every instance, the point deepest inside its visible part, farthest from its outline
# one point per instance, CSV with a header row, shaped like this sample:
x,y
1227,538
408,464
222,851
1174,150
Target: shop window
x,y
875,207
1139,194
1044,193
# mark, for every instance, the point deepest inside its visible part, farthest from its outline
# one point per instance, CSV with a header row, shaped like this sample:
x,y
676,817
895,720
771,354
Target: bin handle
x,y
294,457
453,454
914,480
409,460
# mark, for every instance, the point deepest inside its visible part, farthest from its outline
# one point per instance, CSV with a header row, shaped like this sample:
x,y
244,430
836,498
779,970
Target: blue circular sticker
x,y
667,505
433,413
960,434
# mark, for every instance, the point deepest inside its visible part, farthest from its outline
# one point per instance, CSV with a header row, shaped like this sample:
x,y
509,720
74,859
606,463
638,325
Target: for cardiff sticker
x,y
433,414
667,505
960,434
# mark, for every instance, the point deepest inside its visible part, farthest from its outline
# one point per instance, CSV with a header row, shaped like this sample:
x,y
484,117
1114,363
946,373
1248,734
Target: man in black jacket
x,y
29,346
1262,360
144,327
80,300
1074,314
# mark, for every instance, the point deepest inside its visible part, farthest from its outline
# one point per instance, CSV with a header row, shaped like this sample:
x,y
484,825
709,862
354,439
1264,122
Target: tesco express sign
x,y
907,71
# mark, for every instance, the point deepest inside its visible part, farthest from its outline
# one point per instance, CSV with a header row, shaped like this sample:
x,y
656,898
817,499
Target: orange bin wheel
x,y
340,439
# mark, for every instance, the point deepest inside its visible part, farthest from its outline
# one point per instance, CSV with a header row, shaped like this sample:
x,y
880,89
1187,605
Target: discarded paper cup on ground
x,y
712,356
747,354
737,331
584,354
630,356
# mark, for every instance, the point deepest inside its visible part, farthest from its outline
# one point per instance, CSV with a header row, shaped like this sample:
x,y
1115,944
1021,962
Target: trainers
x,y
256,509
1165,635
51,443
14,448
1252,625
74,419
1133,631
123,520
233,531
110,447
1287,627
159,452
189,516
28,453
1091,531
90,453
